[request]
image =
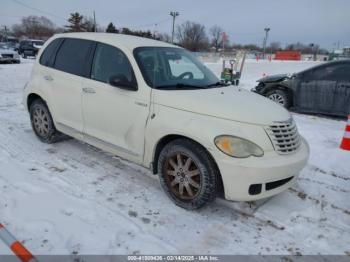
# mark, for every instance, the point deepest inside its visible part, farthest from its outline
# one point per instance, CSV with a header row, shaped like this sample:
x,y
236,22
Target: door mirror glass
x,y
121,81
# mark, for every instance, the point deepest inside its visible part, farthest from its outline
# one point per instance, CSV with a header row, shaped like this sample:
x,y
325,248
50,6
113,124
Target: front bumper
x,y
30,52
9,60
272,173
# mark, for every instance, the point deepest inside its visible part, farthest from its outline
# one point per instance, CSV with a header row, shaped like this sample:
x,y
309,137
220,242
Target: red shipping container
x,y
288,55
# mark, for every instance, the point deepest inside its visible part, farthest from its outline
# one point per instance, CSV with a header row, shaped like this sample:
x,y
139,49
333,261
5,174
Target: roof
x,y
128,41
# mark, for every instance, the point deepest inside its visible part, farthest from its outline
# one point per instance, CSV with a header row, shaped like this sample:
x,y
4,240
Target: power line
x,y
10,16
38,10
61,18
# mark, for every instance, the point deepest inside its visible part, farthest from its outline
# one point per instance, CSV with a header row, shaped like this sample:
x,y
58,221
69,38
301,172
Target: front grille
x,y
7,55
284,136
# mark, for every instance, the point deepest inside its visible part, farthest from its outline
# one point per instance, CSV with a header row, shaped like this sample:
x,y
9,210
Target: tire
x,y
42,123
279,96
196,171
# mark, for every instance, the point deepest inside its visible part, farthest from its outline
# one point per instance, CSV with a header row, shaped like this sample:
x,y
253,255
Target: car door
x,y
342,92
72,65
114,118
316,90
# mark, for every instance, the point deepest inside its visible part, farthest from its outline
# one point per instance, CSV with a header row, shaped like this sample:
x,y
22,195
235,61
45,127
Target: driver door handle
x,y
89,90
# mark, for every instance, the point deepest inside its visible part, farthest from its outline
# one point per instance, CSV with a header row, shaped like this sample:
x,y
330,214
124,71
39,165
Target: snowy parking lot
x,y
71,198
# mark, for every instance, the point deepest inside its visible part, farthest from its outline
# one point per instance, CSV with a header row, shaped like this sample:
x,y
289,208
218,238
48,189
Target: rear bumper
x,y
260,177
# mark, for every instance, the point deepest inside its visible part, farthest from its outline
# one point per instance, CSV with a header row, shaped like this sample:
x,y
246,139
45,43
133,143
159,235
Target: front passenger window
x,y
110,61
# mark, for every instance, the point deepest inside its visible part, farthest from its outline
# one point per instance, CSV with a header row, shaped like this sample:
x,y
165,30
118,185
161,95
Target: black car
x,y
29,47
323,89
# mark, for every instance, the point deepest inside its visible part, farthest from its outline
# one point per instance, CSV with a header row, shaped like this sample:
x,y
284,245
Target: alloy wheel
x,y
182,176
277,98
41,121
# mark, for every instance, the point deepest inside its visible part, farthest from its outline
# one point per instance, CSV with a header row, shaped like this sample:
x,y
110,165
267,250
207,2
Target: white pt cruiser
x,y
155,104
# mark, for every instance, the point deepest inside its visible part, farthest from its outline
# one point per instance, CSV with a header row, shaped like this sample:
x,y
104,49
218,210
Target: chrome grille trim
x,y
284,137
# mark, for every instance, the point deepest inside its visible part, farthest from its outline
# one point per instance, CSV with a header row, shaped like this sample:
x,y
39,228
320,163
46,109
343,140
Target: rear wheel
x,y
187,174
279,96
42,122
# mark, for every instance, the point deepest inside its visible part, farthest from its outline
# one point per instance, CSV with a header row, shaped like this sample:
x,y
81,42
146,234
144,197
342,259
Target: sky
x,y
325,22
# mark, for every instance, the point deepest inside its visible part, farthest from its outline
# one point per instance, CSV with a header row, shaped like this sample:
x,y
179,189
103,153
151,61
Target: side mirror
x,y
122,82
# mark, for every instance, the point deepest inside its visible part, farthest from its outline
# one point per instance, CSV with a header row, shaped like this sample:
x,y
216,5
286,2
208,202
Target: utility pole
x,y
5,33
265,41
155,31
174,15
224,39
95,27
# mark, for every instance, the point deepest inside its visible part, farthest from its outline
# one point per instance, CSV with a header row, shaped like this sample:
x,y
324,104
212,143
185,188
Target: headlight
x,y
237,147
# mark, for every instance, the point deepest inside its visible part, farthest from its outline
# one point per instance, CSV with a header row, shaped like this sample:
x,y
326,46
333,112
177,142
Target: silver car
x,y
7,55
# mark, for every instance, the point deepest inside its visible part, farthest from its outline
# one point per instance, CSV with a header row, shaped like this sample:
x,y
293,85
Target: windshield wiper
x,y
180,86
217,84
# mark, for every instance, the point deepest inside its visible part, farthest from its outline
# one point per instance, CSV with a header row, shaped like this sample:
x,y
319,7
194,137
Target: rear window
x,y
73,55
47,58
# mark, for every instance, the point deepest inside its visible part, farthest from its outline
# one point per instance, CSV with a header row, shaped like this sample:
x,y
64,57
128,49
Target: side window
x,y
317,74
47,56
110,61
341,73
329,73
72,57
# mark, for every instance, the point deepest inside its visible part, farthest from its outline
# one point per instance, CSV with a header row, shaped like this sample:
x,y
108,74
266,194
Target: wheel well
x,y
169,138
31,98
283,88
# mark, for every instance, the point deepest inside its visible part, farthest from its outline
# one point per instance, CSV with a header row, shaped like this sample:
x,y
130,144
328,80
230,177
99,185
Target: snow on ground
x,y
72,198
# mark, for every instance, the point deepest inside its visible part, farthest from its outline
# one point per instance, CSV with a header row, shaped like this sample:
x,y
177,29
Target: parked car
x,y
29,47
156,105
7,55
323,89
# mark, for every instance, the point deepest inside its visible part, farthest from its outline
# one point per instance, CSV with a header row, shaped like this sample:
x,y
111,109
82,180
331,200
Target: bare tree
x,y
192,36
35,27
216,33
164,37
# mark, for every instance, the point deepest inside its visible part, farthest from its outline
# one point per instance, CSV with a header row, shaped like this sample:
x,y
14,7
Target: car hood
x,y
273,78
7,51
37,46
229,103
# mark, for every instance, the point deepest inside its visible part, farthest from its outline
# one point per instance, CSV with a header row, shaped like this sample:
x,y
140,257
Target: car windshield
x,y
173,68
4,46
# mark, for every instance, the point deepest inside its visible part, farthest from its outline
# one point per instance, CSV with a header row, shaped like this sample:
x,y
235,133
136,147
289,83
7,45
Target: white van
x,y
155,104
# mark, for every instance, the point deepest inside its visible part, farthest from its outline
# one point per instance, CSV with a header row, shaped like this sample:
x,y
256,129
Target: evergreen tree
x,y
76,23
111,28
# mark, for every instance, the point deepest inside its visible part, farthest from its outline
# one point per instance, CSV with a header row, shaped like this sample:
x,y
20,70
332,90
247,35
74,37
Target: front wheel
x,y
279,96
187,174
